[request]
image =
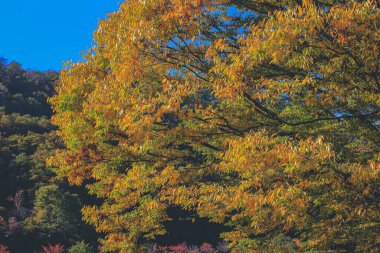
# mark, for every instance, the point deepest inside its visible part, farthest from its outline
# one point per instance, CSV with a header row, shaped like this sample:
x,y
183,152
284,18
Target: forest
x,y
199,126
36,209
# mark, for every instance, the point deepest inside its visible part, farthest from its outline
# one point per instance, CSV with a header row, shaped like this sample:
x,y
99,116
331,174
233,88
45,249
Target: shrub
x,y
3,249
207,248
58,248
181,248
80,247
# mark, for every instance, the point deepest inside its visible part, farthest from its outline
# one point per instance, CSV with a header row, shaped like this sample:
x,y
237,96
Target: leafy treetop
x,y
260,115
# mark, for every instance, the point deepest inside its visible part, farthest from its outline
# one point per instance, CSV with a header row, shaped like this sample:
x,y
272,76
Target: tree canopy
x,y
261,115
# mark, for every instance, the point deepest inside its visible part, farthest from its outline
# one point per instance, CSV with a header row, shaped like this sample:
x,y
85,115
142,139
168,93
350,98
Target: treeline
x,y
36,208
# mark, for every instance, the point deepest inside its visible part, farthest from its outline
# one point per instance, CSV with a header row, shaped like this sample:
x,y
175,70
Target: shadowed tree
x,y
56,214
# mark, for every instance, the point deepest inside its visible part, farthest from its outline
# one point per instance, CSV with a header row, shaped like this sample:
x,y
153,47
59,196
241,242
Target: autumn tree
x,y
259,115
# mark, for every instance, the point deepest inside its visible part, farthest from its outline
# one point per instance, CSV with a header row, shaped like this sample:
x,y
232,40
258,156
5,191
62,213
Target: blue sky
x,y
43,34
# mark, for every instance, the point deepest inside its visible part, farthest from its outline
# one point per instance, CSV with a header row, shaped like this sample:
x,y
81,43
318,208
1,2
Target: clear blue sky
x,y
43,34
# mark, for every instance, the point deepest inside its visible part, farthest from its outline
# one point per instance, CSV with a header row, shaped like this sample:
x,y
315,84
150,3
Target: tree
x,y
56,214
260,115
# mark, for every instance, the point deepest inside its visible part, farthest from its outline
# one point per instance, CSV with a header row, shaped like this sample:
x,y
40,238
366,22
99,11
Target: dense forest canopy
x,y
35,207
262,116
